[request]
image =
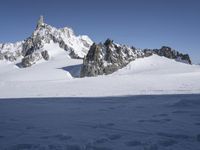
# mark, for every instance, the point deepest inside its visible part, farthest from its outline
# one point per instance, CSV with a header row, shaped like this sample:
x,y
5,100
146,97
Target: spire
x,y
40,21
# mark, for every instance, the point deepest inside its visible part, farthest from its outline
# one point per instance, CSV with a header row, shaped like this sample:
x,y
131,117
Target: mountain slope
x,y
157,65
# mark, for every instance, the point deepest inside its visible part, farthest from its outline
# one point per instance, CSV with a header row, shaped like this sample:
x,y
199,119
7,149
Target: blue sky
x,y
141,23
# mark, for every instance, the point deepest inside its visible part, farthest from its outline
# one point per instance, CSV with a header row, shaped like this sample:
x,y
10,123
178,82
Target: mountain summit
x,y
32,49
99,59
40,22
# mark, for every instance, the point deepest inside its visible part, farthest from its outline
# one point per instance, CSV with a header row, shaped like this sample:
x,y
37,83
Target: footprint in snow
x,y
133,143
166,143
114,136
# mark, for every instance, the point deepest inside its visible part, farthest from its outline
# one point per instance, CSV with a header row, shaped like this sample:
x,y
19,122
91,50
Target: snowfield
x,y
58,77
151,104
165,122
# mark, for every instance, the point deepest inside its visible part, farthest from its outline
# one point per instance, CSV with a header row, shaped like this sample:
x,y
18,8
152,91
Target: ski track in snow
x,y
108,123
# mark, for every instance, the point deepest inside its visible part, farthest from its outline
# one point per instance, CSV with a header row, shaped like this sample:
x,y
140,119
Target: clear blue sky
x,y
141,23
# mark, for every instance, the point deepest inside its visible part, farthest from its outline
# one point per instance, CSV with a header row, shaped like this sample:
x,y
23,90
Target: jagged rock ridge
x,y
168,52
109,57
30,50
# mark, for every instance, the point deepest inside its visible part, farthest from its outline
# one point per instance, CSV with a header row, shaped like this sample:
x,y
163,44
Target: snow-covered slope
x,y
57,78
157,65
42,71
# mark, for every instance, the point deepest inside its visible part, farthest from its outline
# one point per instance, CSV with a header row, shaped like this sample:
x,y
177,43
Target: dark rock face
x,y
148,52
172,54
31,59
9,56
169,53
1,56
107,58
6,52
45,55
31,45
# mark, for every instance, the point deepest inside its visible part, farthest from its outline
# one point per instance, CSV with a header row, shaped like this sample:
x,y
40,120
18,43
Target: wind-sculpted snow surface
x,y
165,122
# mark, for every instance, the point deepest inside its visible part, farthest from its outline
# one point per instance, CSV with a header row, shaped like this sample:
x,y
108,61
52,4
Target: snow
x,y
11,47
58,78
166,122
80,44
158,65
152,103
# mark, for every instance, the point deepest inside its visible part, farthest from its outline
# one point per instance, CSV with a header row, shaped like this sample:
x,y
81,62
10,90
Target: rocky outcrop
x,y
45,55
10,51
1,56
40,22
31,59
168,52
107,58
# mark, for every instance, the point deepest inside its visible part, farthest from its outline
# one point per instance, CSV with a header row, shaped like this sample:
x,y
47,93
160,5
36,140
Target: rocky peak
x,y
107,58
43,35
93,53
40,22
108,42
170,53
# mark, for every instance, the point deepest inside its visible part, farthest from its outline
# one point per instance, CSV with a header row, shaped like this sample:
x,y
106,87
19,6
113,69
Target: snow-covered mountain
x,y
33,49
131,71
99,59
109,57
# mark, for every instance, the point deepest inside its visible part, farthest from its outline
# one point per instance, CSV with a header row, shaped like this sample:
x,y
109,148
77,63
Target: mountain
x,y
47,42
168,52
33,49
119,69
109,57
